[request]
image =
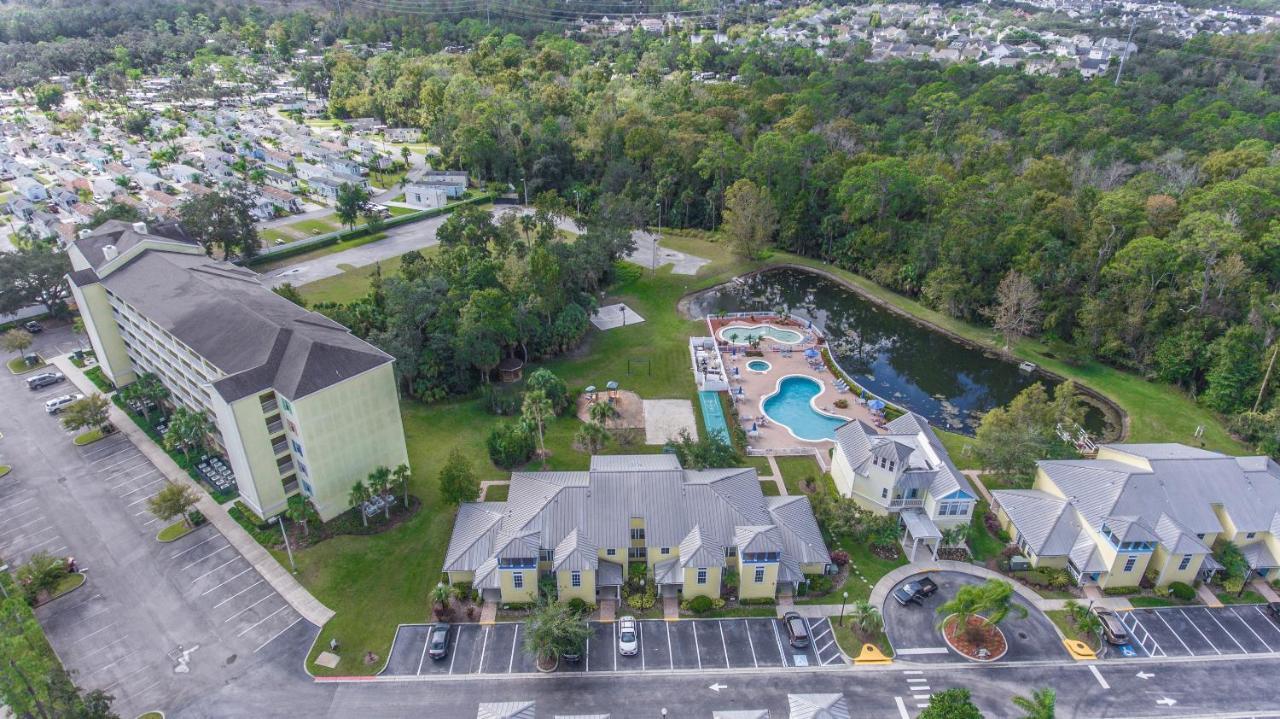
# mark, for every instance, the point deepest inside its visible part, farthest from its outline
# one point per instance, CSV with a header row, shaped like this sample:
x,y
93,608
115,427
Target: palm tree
x,y
602,412
358,495
379,480
301,511
865,616
554,628
991,601
187,429
440,596
401,474
1039,706
1087,623
536,410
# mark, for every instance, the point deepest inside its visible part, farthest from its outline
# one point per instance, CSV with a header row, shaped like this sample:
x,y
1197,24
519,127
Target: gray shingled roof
x,y
543,508
257,339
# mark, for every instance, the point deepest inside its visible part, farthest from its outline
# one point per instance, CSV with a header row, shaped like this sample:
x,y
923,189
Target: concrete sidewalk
x,y
277,576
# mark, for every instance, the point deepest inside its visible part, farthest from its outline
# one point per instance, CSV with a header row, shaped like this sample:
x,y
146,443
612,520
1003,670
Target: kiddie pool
x,y
791,405
759,365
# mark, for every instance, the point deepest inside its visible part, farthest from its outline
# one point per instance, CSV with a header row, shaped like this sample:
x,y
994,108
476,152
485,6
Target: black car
x,y
44,379
34,327
915,591
438,641
573,657
797,630
1274,609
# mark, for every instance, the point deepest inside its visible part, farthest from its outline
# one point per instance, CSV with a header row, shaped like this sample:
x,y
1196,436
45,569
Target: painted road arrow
x,y
1167,701
1145,675
717,687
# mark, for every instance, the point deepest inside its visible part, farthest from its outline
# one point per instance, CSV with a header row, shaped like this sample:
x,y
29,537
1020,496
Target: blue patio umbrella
x,y
591,389
754,428
611,385
811,353
876,404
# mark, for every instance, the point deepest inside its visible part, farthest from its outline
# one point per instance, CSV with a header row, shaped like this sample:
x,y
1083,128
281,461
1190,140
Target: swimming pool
x,y
791,405
739,334
759,366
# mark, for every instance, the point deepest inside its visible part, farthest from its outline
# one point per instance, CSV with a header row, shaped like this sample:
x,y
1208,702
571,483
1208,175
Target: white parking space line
x,y
515,641
119,460
17,504
723,644
1269,622
640,643
108,645
1098,675
237,575
1172,631
201,559
194,546
747,628
253,626
211,571
277,635
138,501
1246,626
425,641
1229,634
251,606
484,644
1193,626
130,674
26,524
130,480
909,672
123,468
782,655
586,655
671,657
454,654
697,650
139,489
902,708
93,633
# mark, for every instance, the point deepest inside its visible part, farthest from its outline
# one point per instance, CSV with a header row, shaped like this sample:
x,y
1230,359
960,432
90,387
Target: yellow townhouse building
x,y
689,527
1145,508
905,471
298,403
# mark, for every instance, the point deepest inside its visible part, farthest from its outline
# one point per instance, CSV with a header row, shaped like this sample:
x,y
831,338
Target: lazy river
x,y
912,365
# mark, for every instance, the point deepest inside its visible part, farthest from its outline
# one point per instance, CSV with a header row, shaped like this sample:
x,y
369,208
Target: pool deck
x,y
756,386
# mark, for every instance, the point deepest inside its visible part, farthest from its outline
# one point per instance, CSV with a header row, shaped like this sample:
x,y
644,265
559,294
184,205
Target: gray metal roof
x,y
919,524
574,553
506,710
921,459
1259,556
698,551
818,706
741,714
257,339
543,508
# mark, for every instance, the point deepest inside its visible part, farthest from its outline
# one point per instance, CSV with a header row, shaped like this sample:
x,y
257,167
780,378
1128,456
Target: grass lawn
x,y
760,463
729,612
769,487
497,493
316,225
88,437
99,379
5,469
1249,597
851,639
175,531
17,365
1155,602
795,470
982,544
151,715
960,448
387,180
271,234
319,252
67,584
397,211
1061,618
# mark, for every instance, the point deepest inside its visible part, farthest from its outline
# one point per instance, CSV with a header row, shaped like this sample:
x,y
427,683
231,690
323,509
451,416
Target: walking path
x,y
1261,587
277,576
775,477
1208,597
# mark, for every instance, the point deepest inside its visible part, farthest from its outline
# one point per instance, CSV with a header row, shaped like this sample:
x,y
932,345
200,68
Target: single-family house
x,y
1151,510
403,134
324,187
426,197
147,181
20,207
30,189
454,181
344,165
282,199
586,529
904,471
180,173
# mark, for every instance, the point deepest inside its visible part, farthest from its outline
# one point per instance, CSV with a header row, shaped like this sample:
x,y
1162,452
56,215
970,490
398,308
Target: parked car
x,y
628,637
56,404
44,379
1113,629
915,592
797,630
1274,609
573,657
34,327
438,641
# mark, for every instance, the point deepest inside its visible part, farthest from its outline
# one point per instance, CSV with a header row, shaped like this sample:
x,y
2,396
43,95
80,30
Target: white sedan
x,y
628,637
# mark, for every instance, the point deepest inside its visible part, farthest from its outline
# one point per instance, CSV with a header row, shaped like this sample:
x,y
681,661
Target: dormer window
x,y
891,465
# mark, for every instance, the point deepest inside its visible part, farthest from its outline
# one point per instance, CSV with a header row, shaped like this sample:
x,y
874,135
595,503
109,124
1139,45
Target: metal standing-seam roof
x,y
698,551
801,537
473,533
818,706
506,710
741,714
920,459
575,553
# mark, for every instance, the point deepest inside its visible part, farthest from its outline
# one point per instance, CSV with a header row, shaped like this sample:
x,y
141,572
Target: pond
x,y
950,383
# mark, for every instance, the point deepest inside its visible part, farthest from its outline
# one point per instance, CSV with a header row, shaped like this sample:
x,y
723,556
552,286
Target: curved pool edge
x,y
744,326
822,389
1100,399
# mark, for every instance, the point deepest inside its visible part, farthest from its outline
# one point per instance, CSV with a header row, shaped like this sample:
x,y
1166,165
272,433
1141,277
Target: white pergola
x,y
919,528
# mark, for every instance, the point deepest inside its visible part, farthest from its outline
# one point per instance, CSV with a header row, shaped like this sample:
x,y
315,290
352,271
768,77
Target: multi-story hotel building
x,y
299,404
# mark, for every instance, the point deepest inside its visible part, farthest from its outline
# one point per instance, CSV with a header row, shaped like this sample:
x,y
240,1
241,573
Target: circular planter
x,y
152,715
547,670
961,647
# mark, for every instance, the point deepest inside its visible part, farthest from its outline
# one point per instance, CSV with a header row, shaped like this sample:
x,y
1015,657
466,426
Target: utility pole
x,y
1125,54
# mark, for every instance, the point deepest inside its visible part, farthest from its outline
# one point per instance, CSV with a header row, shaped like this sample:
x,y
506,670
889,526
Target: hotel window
x,y
759,575
517,580
702,576
303,468
285,403
665,550
637,533
884,493
1128,563
1186,562
610,552
575,579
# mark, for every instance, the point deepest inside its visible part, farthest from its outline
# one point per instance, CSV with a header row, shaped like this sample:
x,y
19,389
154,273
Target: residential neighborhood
x,y
719,360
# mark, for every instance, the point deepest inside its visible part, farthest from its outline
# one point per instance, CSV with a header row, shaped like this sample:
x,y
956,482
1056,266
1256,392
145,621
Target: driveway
x,y
696,645
156,625
913,629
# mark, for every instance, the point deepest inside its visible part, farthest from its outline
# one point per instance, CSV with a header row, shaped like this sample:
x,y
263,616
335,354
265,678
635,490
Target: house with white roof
x,y
1146,509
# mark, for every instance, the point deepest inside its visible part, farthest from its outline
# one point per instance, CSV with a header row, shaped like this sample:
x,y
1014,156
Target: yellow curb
x,y
871,654
1079,650
488,623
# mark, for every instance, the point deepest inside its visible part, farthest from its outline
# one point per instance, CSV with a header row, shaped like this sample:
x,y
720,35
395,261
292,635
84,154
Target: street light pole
x,y
844,599
280,521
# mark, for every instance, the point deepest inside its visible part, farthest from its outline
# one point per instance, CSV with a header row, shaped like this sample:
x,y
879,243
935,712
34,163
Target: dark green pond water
x,y
907,363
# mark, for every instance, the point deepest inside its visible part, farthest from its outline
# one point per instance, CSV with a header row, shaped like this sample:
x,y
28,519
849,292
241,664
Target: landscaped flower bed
x,y
980,636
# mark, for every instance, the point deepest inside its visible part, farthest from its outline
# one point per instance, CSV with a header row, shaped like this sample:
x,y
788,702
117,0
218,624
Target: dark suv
x,y
915,591
34,327
797,630
1113,630
438,641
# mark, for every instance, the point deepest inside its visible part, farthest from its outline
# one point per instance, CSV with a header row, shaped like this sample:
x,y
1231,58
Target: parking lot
x,y
690,645
915,635
1197,631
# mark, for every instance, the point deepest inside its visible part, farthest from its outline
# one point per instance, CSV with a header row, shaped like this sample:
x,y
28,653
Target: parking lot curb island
x,y
1078,650
276,575
871,654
